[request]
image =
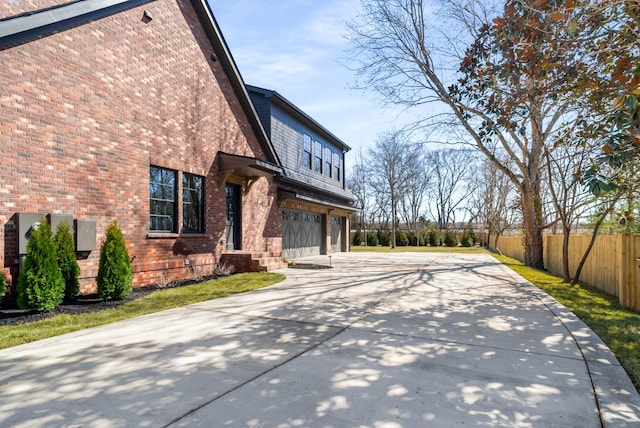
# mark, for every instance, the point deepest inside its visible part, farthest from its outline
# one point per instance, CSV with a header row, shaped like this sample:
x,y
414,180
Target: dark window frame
x,y
163,195
328,159
193,187
336,165
306,151
317,156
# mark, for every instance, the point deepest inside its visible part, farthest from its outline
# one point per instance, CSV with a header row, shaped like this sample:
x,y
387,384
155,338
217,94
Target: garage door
x,y
301,234
336,234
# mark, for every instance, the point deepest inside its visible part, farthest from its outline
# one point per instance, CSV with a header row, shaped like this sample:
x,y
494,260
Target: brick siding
x,y
85,112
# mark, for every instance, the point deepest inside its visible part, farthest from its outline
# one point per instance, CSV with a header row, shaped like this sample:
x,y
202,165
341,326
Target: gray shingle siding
x,y
263,108
287,137
286,126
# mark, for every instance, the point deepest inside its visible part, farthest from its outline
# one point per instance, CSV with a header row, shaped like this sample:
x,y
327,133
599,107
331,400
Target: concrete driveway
x,y
378,340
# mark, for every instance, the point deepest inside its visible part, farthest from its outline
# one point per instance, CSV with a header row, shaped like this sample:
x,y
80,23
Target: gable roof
x,y
27,27
300,115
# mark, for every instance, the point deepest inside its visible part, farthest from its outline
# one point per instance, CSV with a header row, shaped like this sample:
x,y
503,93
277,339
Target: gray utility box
x,y
27,223
56,219
85,235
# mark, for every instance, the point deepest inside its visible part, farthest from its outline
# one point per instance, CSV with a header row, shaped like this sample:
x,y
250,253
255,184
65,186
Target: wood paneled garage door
x,y
301,234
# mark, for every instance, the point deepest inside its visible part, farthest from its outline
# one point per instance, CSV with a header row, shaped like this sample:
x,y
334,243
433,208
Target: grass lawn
x,y
155,302
619,328
408,249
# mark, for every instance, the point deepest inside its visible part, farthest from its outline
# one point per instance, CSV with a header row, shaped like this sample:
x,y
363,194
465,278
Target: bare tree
x,y
569,197
495,202
388,161
504,78
450,172
359,184
418,183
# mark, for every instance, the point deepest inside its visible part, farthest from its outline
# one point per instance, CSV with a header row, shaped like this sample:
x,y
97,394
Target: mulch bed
x,y
80,305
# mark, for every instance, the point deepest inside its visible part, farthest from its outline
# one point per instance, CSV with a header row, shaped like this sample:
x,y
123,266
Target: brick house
x,y
315,204
134,110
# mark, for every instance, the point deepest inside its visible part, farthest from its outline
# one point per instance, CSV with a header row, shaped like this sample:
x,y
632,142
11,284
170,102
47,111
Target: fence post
x,y
634,272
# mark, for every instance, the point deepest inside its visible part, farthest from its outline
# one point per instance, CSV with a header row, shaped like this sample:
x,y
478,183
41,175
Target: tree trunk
x,y
594,235
566,232
495,245
532,224
393,222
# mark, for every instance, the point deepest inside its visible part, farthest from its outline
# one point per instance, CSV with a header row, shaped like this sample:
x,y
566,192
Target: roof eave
x,y
291,108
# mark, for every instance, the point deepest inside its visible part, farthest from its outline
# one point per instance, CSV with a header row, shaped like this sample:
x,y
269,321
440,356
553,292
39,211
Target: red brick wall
x,y
84,113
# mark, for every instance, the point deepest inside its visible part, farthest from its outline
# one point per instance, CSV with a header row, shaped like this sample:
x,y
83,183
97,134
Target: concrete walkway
x,y
379,340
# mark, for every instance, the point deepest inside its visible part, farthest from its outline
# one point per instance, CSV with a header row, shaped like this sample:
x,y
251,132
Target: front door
x,y
233,217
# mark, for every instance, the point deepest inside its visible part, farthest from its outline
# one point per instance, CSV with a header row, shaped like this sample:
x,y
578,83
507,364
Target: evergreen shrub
x,y
401,239
66,255
434,238
372,239
384,237
114,273
357,238
466,240
3,286
450,238
413,239
40,284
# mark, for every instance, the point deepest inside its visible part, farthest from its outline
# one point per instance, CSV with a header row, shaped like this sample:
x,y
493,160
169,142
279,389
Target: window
x,y
162,198
317,159
336,166
327,161
192,203
306,155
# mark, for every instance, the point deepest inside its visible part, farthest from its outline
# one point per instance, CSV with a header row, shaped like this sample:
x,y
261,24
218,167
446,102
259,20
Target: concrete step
x,y
253,261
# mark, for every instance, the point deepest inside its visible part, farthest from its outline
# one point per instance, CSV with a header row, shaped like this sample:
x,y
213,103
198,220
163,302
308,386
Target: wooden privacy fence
x,y
613,265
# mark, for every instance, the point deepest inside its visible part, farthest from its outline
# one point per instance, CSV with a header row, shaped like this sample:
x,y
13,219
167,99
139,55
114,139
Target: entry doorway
x,y
233,218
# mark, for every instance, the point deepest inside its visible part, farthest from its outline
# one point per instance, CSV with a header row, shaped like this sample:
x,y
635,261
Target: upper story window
x,y
317,157
306,154
327,161
192,203
162,199
336,166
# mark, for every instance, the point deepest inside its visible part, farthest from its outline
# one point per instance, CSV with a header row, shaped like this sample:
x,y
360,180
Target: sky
x,y
297,48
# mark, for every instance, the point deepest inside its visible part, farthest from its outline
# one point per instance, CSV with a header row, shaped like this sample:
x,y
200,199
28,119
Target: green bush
x,y
3,286
434,238
40,284
450,238
114,273
413,239
384,237
372,239
67,262
357,238
423,241
474,238
466,240
401,239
